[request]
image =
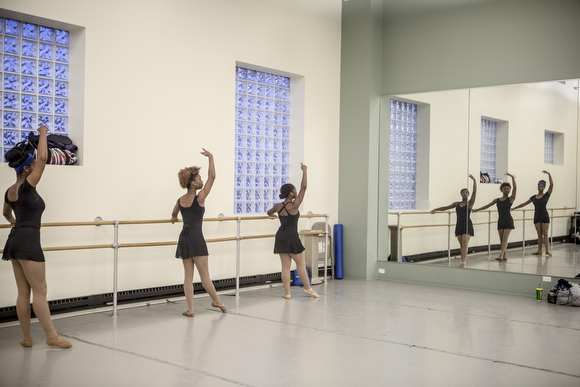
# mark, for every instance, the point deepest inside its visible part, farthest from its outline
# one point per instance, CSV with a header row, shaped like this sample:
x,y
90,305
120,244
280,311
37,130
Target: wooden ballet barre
x,y
59,224
169,221
315,232
172,243
426,225
63,248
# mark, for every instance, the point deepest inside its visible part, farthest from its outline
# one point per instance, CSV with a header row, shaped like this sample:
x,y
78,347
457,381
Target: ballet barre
x,y
489,222
116,245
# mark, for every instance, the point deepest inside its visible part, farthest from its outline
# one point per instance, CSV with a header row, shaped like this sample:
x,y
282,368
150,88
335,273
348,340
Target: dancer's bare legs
x,y
286,260
203,270
504,235
545,238
31,276
538,227
188,267
464,245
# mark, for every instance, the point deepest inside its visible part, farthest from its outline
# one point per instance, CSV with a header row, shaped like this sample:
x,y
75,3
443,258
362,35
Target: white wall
x,y
159,85
529,109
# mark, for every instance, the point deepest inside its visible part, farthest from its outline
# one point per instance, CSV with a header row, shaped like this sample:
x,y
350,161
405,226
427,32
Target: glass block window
x,y
262,139
548,148
34,80
403,156
488,148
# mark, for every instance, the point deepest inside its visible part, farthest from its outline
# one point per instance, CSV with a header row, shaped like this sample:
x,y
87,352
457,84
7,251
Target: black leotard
x,y
540,211
505,220
24,239
287,240
463,219
191,241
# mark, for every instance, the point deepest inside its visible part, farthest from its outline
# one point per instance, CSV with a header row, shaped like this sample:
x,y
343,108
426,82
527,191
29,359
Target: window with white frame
x,y
403,156
262,135
488,149
35,80
548,147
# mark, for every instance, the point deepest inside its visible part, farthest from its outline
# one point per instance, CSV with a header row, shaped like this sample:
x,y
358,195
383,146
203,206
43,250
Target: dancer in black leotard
x,y
541,216
287,243
23,245
505,222
463,226
191,247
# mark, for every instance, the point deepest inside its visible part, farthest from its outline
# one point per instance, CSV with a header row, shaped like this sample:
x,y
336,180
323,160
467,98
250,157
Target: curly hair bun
x,y
186,175
15,157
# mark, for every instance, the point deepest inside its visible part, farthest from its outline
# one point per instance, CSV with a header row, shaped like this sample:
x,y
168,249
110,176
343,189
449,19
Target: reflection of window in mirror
x,y
553,148
494,149
403,156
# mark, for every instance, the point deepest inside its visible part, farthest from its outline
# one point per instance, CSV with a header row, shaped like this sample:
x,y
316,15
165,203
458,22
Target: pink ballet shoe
x,y
287,296
59,342
26,344
311,293
221,306
187,314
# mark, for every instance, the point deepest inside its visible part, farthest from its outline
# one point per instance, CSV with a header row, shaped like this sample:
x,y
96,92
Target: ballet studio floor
x,y
358,333
564,262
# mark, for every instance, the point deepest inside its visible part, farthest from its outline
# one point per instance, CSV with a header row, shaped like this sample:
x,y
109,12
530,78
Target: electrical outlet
x,y
381,271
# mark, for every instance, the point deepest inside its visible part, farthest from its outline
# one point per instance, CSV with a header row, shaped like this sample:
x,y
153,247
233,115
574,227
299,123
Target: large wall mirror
x,y
430,143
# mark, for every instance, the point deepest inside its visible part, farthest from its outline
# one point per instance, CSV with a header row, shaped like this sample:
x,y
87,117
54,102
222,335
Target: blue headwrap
x,y
26,162
543,182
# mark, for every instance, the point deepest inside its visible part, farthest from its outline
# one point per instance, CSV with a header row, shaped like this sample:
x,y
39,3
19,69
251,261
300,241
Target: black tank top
x,y
29,206
192,215
288,220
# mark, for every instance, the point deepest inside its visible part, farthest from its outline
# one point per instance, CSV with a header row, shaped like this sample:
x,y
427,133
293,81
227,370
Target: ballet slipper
x,y
311,293
187,314
58,342
537,253
221,306
26,344
548,253
287,296
499,259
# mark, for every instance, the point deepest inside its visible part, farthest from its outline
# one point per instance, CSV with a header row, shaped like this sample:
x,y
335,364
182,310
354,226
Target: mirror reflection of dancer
x,y
287,242
505,222
191,246
23,244
541,216
463,226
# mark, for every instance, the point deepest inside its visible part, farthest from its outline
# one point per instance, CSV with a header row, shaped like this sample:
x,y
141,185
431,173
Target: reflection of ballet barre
x,y
116,245
399,227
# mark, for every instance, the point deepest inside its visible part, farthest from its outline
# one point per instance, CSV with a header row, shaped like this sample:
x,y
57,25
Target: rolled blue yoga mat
x,y
338,274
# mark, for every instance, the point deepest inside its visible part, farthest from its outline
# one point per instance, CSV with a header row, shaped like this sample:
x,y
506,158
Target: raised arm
x,y
486,206
452,205
514,189
473,192
523,204
41,157
303,184
210,179
551,187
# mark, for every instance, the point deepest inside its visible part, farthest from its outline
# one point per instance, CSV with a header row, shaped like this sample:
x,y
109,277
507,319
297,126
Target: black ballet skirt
x,y
540,212
191,242
24,239
463,219
287,240
505,220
